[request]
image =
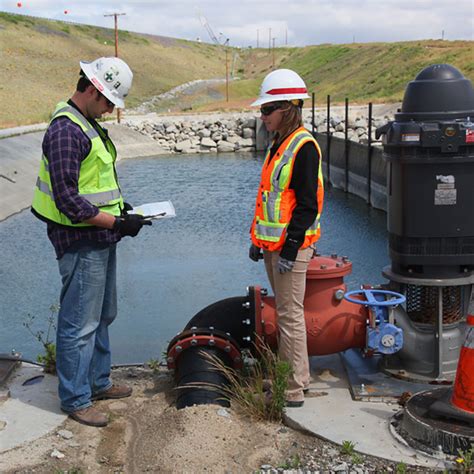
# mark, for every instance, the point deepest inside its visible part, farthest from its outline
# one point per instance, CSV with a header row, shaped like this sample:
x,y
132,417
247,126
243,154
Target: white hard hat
x,y
111,77
282,84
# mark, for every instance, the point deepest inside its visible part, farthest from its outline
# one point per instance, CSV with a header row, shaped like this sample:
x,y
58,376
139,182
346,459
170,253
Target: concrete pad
x,y
330,413
31,411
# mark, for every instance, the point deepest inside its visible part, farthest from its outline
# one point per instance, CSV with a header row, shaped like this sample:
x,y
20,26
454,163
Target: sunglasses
x,y
107,101
269,109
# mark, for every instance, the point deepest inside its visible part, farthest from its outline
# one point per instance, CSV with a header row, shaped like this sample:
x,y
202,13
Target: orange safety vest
x,y
276,201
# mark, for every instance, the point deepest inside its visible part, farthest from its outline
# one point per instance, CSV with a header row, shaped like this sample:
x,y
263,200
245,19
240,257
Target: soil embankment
x,y
147,434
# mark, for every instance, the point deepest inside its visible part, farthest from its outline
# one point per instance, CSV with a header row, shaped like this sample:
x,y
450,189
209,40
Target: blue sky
x,y
298,23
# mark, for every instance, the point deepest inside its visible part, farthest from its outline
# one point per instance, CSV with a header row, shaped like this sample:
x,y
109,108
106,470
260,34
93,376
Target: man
x,y
77,193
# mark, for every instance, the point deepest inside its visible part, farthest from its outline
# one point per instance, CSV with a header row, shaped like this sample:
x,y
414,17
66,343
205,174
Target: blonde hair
x,y
292,118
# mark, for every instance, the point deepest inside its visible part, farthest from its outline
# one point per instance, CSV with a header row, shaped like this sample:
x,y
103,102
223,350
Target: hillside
x,y
40,67
377,72
40,63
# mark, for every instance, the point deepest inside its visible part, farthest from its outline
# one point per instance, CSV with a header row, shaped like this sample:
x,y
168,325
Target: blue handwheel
x,y
372,301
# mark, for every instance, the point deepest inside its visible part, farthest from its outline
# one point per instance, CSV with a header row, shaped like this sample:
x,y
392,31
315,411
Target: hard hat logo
x,y
104,74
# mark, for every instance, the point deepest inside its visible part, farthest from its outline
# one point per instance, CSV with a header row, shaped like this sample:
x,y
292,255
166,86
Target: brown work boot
x,y
90,416
116,391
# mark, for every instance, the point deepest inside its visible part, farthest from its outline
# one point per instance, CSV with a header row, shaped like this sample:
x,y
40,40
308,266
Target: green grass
x,y
42,67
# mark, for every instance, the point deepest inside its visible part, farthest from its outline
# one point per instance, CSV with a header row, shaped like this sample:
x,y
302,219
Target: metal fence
x,y
356,168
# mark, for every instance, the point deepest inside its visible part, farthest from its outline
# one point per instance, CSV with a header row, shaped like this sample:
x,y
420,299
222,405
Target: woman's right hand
x,y
255,253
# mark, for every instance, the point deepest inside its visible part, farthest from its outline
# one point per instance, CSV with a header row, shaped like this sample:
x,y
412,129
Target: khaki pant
x,y
289,289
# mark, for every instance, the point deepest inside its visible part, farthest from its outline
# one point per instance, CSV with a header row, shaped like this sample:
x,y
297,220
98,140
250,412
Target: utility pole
x,y
257,37
273,53
442,34
269,39
286,36
116,15
226,47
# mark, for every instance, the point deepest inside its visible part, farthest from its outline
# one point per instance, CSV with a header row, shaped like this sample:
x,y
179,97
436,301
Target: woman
x,y
286,222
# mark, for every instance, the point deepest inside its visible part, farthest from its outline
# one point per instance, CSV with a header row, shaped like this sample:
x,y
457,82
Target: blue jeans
x,y
88,305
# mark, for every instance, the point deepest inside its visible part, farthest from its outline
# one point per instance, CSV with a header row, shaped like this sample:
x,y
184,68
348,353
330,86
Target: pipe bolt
x,y
227,349
334,256
338,264
246,321
178,348
212,342
323,267
339,294
211,328
263,291
170,360
194,342
246,305
246,338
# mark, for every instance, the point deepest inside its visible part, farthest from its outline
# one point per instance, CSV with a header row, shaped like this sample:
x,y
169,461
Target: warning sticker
x,y
410,137
445,197
445,192
470,135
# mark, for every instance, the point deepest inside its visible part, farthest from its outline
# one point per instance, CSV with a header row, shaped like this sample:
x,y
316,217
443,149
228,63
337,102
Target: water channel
x,y
178,266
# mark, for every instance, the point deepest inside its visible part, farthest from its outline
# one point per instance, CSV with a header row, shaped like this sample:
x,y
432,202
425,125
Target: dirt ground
x,y
147,433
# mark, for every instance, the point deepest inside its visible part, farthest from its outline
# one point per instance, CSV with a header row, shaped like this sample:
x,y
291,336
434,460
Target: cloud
x,y
303,22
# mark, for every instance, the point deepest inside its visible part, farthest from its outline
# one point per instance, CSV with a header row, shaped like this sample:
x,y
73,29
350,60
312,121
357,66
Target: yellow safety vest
x,y
98,181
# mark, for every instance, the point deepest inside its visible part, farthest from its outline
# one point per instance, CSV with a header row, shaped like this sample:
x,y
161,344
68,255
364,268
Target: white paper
x,y
155,210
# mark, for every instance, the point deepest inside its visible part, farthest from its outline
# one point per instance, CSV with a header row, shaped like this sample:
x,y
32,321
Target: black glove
x,y
126,207
255,253
130,224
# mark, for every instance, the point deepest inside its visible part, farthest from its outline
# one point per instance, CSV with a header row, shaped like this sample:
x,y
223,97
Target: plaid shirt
x,y
66,146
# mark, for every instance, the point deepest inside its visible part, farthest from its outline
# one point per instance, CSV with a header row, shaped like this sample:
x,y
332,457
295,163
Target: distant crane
x,y
225,44
208,28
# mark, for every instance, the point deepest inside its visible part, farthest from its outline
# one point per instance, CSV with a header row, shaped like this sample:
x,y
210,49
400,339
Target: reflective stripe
x,y
90,131
469,343
98,199
43,187
45,163
287,156
273,201
101,199
267,231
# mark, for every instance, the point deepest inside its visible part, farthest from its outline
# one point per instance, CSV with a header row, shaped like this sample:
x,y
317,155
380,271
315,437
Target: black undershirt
x,y
304,182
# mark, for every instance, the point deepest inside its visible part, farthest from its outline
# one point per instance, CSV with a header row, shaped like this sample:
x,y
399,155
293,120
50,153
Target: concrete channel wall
x,y
358,180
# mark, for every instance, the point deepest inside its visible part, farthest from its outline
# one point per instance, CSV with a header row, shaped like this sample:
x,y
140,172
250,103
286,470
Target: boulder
x,y
248,132
204,133
225,147
183,146
208,143
249,123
